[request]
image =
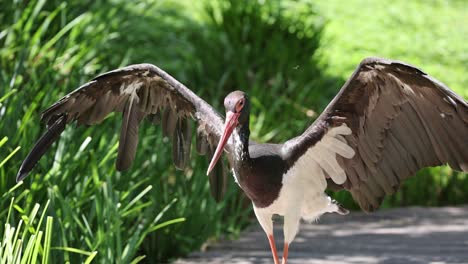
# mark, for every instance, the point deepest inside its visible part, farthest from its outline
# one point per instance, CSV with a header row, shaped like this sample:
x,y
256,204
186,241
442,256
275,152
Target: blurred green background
x,y
290,56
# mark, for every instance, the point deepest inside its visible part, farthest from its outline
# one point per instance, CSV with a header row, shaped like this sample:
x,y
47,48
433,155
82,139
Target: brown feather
x,y
181,143
42,145
128,142
169,122
201,143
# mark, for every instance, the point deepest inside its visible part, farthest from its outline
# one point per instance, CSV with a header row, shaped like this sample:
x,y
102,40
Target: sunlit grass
x,y
429,34
30,240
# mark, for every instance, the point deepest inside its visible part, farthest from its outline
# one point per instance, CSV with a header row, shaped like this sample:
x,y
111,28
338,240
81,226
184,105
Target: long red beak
x,y
230,124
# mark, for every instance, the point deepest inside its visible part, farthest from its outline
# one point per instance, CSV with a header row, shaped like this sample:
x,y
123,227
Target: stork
x,y
389,120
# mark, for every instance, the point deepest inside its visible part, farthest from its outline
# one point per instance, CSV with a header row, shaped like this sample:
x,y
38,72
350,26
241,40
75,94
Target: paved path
x,y
407,235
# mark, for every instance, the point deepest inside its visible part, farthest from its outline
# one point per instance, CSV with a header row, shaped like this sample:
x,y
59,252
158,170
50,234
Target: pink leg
x,y
271,239
285,253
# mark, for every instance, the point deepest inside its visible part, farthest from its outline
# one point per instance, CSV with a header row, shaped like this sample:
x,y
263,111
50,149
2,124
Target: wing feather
x,y
136,91
128,142
181,143
169,122
50,136
201,143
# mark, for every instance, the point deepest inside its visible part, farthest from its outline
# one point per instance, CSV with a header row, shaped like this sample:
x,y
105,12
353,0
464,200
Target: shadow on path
x,y
406,235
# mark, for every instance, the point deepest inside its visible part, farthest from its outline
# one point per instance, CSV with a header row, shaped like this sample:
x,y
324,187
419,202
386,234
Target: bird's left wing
x,y
388,121
138,91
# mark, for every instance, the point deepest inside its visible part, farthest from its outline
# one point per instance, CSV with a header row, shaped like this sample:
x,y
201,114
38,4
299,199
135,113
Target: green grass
x,y
26,241
429,34
290,56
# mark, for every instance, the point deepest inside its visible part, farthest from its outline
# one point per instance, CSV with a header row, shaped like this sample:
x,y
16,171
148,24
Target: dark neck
x,y
243,149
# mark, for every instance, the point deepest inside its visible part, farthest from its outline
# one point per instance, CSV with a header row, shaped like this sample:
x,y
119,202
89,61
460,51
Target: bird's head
x,y
237,115
238,107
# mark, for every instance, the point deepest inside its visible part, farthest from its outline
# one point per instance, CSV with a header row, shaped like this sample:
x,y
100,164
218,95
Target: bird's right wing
x,y
138,91
389,120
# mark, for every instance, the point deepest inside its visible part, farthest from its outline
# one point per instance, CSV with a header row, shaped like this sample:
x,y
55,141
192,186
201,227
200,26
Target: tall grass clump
x,y
30,239
26,236
49,48
25,243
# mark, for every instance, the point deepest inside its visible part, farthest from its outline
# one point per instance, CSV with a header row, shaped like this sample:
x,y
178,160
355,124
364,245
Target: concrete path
x,y
406,235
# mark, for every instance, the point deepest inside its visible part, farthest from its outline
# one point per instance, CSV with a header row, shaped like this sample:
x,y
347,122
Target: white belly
x,y
307,195
297,199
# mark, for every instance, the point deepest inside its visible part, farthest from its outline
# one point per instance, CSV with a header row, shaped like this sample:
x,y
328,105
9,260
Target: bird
x,y
389,120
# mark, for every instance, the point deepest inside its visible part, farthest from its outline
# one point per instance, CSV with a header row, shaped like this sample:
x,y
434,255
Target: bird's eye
x,y
239,105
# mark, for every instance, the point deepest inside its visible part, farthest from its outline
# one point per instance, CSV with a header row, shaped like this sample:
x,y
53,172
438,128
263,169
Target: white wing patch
x,y
305,182
321,158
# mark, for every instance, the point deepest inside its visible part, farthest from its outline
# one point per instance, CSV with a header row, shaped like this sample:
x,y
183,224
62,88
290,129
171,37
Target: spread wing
x,y
138,91
387,122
